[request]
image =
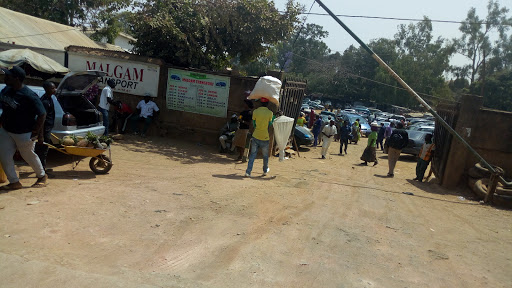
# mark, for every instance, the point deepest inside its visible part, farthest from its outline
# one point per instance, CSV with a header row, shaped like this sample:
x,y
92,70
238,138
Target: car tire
x,y
479,187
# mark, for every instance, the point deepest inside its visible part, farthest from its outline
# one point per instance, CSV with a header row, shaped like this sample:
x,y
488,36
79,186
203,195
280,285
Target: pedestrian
x,y
123,112
380,136
106,98
243,129
397,141
344,137
387,134
317,129
328,133
356,131
312,118
228,133
424,157
21,124
262,118
41,149
301,121
370,153
147,110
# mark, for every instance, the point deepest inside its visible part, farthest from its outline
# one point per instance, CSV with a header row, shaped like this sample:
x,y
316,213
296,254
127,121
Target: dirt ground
x,y
173,213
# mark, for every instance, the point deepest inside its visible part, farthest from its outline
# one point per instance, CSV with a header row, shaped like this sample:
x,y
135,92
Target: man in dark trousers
x,y
344,136
21,124
397,141
41,149
380,136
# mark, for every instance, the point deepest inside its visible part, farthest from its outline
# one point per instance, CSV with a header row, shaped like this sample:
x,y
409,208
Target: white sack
x,y
267,87
282,130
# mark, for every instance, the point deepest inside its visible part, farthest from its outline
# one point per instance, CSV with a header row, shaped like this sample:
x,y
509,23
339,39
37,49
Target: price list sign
x,y
197,92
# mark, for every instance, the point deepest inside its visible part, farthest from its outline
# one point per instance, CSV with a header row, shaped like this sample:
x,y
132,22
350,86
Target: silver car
x,y
74,114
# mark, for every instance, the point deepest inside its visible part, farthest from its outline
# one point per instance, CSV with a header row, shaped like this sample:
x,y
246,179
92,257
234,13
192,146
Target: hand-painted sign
x,y
197,92
137,78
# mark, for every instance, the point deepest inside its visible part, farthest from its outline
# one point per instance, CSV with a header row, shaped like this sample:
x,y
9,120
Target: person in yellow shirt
x,y
301,121
261,118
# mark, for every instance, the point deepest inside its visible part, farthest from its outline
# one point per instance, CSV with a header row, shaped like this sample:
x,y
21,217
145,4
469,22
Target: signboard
x,y
137,78
197,92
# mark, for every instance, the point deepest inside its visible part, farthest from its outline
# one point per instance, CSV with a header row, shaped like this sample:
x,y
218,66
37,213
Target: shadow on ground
x,y
182,150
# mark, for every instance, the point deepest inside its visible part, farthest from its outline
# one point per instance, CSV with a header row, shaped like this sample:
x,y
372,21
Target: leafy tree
x,y
88,14
421,61
209,34
475,42
498,89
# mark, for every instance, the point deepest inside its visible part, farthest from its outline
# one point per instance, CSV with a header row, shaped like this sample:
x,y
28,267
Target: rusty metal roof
x,y
22,29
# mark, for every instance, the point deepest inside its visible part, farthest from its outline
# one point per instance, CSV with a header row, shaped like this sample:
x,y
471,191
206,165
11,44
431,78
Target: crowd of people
x,y
391,139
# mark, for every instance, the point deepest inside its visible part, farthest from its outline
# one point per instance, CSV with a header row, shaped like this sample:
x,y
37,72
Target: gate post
x,y
458,155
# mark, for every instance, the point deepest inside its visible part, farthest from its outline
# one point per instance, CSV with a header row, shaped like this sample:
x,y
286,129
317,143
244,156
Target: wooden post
x,y
493,183
296,146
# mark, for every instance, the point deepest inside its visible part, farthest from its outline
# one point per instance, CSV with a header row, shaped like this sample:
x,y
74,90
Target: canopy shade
x,y
41,63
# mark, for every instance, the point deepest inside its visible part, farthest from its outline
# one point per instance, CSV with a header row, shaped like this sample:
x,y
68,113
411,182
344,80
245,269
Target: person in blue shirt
x,y
317,128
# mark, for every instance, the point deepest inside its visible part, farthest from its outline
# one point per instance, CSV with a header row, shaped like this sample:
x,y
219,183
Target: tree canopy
x,y
209,34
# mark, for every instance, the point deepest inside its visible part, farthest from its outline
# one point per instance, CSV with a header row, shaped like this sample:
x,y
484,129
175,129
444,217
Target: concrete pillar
x,y
458,155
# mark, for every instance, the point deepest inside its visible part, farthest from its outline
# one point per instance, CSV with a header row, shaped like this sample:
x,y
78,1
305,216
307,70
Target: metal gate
x,y
442,138
292,94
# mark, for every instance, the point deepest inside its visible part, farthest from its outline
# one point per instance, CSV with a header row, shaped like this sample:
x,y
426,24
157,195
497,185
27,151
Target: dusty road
x,y
177,214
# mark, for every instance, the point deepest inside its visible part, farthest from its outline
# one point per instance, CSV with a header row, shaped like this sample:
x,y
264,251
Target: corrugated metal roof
x,y
23,29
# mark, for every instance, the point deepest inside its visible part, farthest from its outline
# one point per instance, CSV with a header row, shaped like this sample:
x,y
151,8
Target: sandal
x,y
11,186
41,182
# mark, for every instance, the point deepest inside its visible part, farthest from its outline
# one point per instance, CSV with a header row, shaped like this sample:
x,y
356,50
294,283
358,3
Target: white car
x,y
74,114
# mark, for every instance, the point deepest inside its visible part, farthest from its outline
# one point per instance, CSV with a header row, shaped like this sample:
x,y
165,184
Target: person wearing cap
x,y
227,133
262,118
21,124
147,110
106,98
328,133
301,121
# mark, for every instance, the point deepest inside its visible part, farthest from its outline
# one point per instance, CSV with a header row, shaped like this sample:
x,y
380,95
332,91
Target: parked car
x,y
416,140
328,113
303,136
429,129
365,127
74,114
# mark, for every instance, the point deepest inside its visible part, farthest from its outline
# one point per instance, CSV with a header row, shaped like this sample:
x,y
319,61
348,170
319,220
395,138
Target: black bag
x,y
396,141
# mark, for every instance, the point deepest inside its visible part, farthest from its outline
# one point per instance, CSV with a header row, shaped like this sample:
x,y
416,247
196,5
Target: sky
x,y
369,29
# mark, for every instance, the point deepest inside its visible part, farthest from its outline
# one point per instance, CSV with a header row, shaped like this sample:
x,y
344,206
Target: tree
x,y
87,14
498,89
421,61
209,34
475,41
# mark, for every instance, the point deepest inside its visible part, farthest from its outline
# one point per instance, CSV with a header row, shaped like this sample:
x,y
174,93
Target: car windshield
x,y
353,118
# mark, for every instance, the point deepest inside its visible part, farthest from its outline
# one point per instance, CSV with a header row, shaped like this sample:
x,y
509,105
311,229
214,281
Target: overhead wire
x,y
324,67
37,34
400,19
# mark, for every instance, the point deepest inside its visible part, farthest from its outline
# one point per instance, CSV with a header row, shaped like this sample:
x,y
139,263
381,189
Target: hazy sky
x,y
368,29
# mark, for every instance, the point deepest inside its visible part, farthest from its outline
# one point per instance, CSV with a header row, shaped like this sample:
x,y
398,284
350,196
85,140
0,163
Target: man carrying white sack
x,y
262,119
328,135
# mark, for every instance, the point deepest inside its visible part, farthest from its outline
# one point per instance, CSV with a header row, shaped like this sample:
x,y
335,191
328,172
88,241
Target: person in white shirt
x,y
328,135
106,98
147,110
